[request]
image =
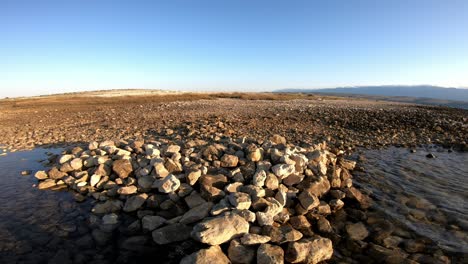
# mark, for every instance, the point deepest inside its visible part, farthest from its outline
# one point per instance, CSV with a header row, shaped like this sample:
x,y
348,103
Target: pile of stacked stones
x,y
247,201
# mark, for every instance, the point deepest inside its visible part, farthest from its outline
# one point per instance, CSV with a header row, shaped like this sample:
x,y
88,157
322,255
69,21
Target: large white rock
x,y
220,229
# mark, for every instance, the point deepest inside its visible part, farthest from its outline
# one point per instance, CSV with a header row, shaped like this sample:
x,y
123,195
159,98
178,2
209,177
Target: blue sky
x,y
221,45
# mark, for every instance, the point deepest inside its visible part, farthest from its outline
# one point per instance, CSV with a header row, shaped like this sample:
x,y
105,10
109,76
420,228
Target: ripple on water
x,y
429,195
32,220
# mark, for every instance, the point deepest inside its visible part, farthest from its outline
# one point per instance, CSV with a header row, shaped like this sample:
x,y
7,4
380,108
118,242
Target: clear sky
x,y
205,45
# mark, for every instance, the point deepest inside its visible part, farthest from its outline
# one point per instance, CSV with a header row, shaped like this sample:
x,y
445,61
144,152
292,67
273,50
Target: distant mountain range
x,y
424,91
424,94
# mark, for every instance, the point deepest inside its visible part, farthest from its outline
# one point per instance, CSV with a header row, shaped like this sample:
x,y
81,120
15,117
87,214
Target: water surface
x,y
428,195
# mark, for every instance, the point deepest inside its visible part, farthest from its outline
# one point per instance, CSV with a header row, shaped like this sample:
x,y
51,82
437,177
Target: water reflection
x,y
429,195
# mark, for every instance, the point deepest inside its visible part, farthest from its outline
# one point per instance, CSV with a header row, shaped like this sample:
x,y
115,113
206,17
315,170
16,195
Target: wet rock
x,y
110,219
213,254
109,206
357,231
55,174
355,194
197,213
41,175
172,233
309,250
122,168
239,253
100,237
220,229
49,183
151,222
229,161
134,202
270,254
134,243
25,172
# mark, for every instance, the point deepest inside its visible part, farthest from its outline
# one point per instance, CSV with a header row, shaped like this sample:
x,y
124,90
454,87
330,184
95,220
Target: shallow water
x,y
428,195
45,226
34,224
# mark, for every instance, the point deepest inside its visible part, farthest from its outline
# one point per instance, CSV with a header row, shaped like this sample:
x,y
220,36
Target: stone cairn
x,y
246,202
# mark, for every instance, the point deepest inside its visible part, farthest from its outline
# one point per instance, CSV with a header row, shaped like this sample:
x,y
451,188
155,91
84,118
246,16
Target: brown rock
x,y
270,254
122,168
239,253
229,161
213,254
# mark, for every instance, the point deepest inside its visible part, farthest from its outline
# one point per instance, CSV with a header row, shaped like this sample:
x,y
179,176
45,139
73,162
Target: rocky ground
x,y
302,119
232,201
208,166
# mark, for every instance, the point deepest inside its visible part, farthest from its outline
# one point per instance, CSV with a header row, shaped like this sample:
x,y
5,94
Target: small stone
x,y
271,181
193,177
430,155
109,206
357,231
160,170
110,219
55,174
41,175
213,254
283,170
151,222
171,233
254,154
308,200
239,253
76,163
229,161
310,250
240,200
270,254
172,149
254,239
95,178
134,203
336,204
278,139
145,182
259,178
25,172
65,158
168,184
233,187
48,183
221,229
196,213
122,168
194,199
127,190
